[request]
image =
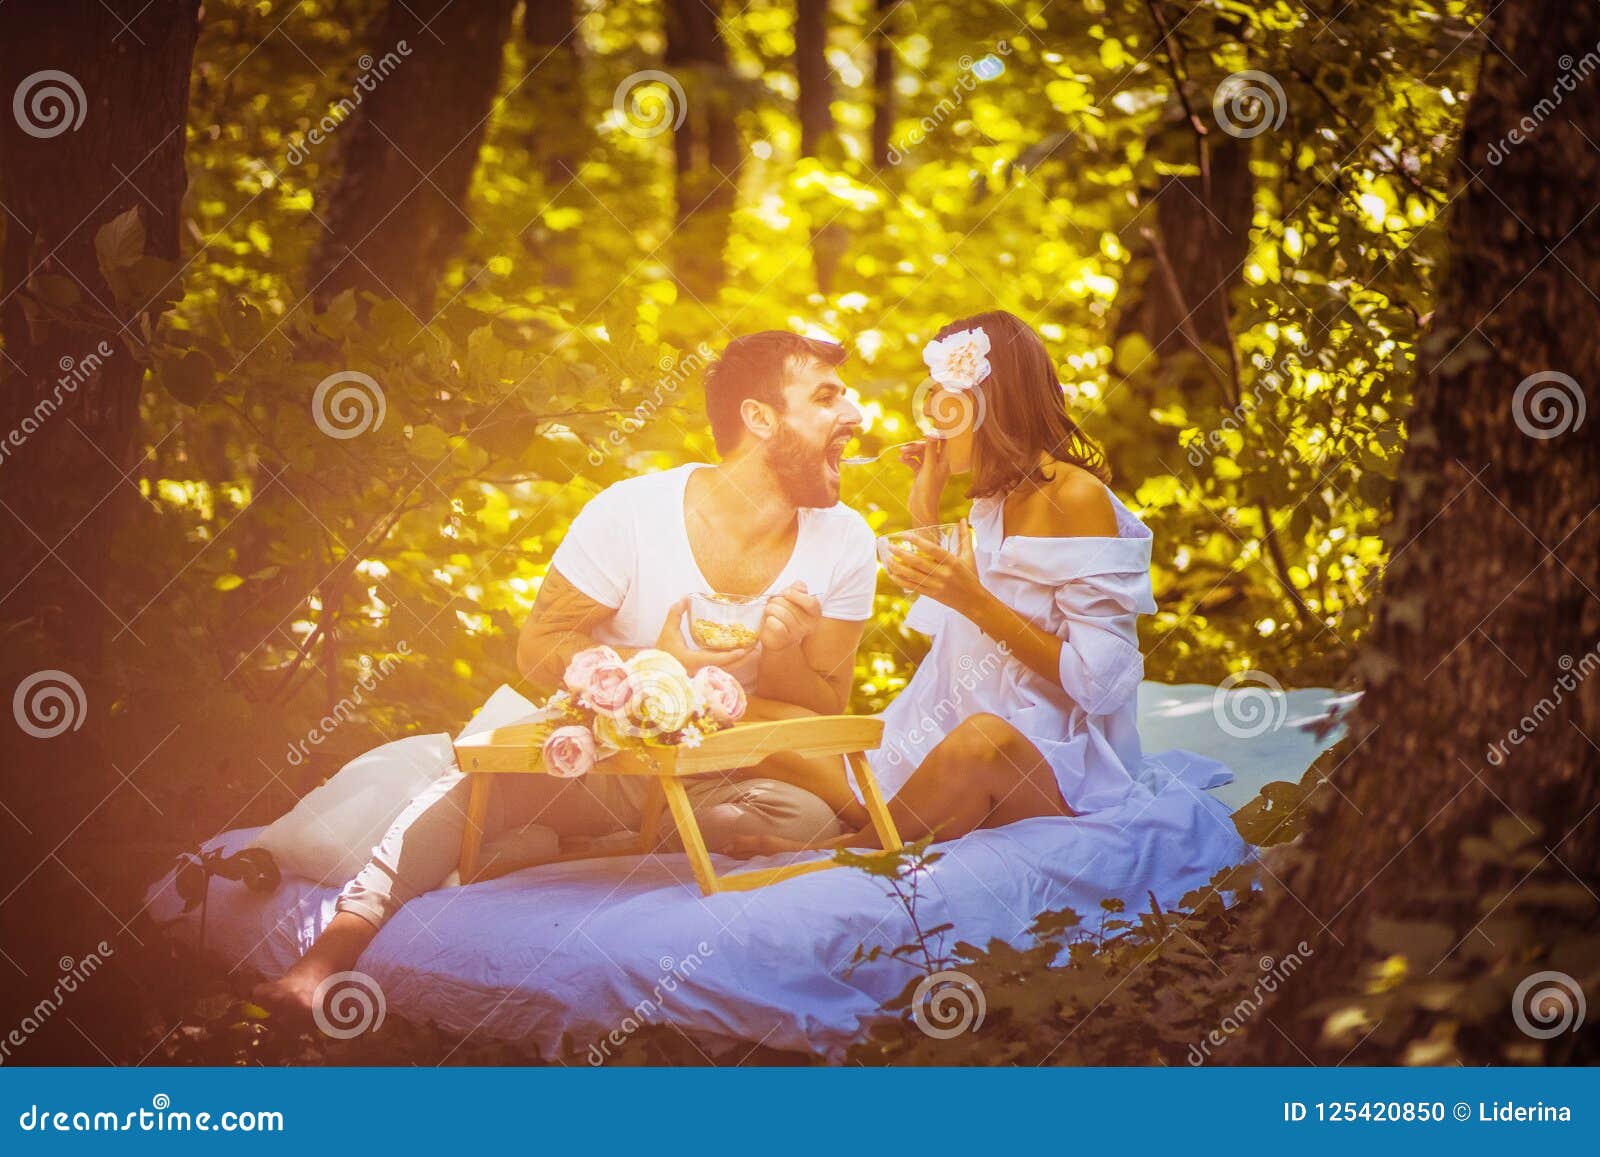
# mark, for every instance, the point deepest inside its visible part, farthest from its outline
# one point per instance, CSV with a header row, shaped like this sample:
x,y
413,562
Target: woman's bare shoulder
x,y
1071,503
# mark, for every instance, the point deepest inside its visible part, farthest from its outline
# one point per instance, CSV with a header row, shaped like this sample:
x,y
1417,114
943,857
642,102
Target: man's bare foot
x,y
294,994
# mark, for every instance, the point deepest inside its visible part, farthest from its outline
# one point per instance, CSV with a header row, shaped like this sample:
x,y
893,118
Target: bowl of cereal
x,y
942,534
726,622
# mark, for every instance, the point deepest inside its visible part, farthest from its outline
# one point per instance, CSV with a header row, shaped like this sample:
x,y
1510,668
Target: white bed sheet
x,y
569,956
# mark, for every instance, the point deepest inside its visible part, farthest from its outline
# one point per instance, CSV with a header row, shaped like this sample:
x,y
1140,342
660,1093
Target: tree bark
x,y
561,134
706,147
72,382
1205,229
829,238
550,28
75,316
398,213
883,102
1487,628
812,75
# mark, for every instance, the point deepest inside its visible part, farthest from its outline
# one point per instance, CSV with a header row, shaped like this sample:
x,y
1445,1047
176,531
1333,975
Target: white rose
x,y
960,361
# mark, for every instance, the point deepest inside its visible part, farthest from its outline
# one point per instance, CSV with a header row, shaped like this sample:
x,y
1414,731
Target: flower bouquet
x,y
648,700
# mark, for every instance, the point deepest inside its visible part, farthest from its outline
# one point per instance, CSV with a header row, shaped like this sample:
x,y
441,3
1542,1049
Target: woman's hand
x,y
928,458
671,641
948,578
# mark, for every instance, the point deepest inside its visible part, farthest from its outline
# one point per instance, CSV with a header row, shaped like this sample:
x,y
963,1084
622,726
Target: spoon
x,y
869,459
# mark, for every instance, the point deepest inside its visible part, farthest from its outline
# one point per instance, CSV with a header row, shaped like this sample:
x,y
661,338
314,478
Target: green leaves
x,y
890,865
486,355
429,444
119,243
54,290
1124,991
187,377
1275,816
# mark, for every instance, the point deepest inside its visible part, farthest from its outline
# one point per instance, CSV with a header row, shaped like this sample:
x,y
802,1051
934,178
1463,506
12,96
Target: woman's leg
x,y
984,774
823,777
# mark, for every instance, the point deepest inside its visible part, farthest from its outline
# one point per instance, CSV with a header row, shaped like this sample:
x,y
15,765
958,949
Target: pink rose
x,y
599,676
610,690
722,694
569,752
584,665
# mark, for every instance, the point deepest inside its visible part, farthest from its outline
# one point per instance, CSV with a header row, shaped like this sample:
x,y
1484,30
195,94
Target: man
x,y
767,520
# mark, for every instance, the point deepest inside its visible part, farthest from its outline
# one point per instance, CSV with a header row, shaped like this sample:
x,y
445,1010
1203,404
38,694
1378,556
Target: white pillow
x,y
329,835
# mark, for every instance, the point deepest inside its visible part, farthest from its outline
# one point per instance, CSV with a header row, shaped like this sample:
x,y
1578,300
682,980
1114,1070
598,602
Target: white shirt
x,y
629,549
1088,592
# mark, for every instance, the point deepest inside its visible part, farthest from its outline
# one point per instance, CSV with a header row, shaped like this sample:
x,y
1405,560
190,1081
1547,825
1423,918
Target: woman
x,y
1025,706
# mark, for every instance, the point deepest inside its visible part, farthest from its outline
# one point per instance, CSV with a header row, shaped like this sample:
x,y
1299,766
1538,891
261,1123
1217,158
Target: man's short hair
x,y
754,366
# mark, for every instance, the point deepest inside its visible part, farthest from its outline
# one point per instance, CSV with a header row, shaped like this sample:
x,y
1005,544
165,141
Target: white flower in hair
x,y
960,361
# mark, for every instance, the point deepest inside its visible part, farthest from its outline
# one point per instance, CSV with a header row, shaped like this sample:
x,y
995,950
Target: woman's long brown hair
x,y
1025,411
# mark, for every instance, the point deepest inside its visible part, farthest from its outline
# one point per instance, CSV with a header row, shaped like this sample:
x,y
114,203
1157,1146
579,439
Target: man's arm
x,y
557,629
815,673
562,623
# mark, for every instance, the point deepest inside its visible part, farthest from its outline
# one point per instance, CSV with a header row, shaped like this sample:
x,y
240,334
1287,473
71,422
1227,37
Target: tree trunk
x,y
561,133
420,105
829,238
705,147
1460,832
71,378
550,28
1204,227
883,82
812,75
75,314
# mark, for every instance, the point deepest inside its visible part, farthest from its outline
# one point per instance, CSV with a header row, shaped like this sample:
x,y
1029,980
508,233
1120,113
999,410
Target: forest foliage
x,y
350,496
1044,159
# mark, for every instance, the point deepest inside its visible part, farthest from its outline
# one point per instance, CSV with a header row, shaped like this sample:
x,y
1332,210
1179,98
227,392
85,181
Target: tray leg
x,y
689,833
882,822
472,834
650,818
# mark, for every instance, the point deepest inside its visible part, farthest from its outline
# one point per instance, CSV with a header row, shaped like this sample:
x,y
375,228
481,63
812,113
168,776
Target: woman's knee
x,y
988,739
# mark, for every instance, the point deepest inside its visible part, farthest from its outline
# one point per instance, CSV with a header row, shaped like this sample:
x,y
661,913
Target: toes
x,y
285,1000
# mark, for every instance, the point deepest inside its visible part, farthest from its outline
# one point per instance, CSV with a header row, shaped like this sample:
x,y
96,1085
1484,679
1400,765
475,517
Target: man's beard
x,y
802,470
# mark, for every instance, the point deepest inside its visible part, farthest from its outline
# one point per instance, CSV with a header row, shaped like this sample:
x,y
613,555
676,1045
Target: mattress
x,y
573,958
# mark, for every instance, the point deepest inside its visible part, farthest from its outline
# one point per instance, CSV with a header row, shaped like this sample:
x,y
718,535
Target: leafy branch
x,y
902,871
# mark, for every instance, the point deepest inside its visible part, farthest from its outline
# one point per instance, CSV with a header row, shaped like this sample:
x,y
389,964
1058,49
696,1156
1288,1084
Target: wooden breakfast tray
x,y
516,749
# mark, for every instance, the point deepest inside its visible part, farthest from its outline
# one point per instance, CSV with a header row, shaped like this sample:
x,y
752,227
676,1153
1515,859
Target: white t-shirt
x,y
629,549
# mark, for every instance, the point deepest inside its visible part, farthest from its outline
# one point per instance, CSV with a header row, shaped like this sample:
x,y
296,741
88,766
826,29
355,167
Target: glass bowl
x,y
725,622
943,534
